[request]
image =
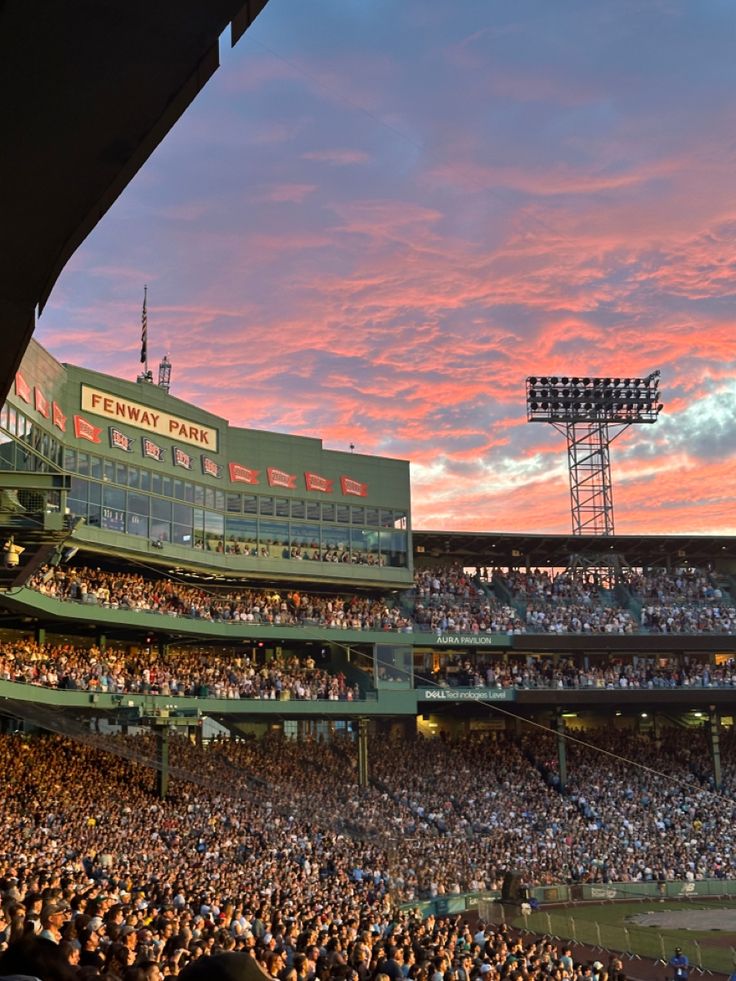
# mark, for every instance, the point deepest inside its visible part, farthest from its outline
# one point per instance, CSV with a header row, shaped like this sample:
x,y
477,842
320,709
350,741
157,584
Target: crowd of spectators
x,y
175,672
444,600
288,607
270,847
460,671
236,674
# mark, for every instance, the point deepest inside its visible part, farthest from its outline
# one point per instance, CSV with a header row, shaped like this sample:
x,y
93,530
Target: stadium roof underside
x,y
88,88
555,551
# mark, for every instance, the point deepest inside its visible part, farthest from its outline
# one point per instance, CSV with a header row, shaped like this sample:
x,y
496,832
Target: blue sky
x,y
377,219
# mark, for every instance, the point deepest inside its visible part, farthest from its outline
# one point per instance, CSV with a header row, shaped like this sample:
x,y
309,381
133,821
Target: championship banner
x,y
243,475
211,467
314,482
353,487
152,450
181,458
57,417
279,478
119,441
85,430
22,388
41,402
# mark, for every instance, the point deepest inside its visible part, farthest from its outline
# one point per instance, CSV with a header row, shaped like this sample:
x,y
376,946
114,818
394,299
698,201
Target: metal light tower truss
x,y
591,413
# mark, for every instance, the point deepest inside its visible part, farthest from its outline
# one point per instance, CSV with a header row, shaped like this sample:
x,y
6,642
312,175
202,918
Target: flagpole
x,y
144,331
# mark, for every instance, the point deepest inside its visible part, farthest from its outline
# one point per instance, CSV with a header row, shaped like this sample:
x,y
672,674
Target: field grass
x,y
609,926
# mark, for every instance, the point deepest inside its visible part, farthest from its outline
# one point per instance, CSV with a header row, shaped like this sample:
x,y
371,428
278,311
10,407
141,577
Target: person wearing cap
x,y
53,917
680,965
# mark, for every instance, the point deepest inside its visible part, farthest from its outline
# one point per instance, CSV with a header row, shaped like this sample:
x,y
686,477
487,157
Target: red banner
x,y
41,402
182,458
211,467
22,389
243,475
85,430
314,482
278,478
57,417
353,487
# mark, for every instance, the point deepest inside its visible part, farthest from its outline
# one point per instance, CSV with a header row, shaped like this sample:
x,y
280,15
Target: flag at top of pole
x,y
144,330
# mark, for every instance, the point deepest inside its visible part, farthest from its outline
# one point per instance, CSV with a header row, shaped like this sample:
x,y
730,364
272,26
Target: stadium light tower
x,y
591,413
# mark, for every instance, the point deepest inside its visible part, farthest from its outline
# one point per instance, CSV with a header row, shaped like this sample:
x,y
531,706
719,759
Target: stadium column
x,y
40,635
561,749
162,759
363,752
715,745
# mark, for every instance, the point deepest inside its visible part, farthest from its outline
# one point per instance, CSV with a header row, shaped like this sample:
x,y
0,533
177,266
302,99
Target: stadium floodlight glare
x,y
591,413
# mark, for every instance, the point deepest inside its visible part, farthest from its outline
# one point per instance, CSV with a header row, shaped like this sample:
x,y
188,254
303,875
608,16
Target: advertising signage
x,y
465,694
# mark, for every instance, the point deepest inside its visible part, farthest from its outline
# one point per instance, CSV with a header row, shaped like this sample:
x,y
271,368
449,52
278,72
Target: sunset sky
x,y
379,217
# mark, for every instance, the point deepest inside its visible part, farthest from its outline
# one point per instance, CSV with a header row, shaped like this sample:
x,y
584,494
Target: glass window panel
x,y
161,508
265,505
113,497
305,541
336,544
108,471
219,500
4,416
297,509
313,510
328,512
188,492
160,529
83,464
400,520
7,452
179,489
250,504
233,503
121,473
241,536
182,514
70,460
198,494
214,530
95,493
156,483
198,516
357,515
95,467
113,519
145,479
342,513
78,489
281,508
274,539
209,497
138,503
371,516
386,518
182,535
77,508
94,515
167,486
134,477
137,524
364,545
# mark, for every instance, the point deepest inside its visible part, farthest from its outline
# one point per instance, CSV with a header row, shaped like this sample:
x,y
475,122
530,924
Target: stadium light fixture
x,y
591,412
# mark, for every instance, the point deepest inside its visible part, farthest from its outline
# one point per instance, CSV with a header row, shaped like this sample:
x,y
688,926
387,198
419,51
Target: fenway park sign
x,y
144,417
